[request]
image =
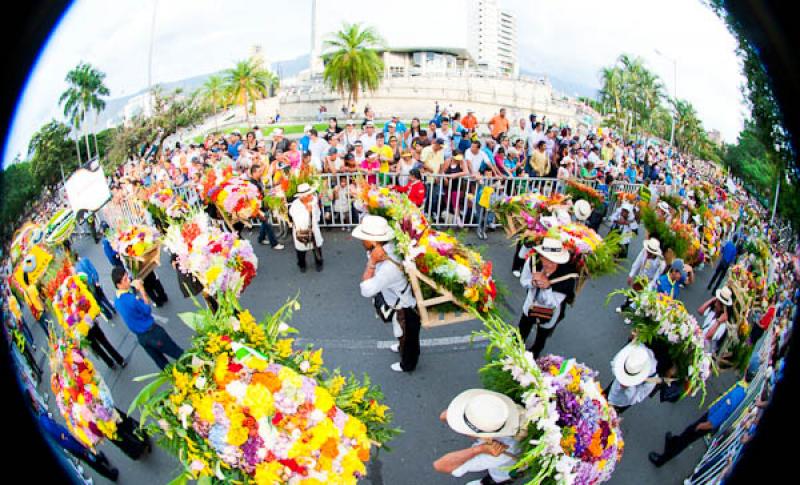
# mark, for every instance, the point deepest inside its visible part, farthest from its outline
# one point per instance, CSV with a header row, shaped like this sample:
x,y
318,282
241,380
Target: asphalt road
x,y
335,317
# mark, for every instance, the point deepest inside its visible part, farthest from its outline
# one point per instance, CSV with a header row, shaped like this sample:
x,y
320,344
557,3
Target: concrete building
x,y
492,35
507,45
715,136
138,105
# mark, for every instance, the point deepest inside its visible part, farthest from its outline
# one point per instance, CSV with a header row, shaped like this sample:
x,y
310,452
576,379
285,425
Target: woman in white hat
x,y
635,373
623,220
649,264
384,274
550,279
494,420
716,313
305,214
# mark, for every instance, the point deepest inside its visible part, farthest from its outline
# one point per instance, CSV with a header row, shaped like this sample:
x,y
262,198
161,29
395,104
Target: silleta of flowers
x,y
436,254
658,316
579,191
243,406
81,394
522,211
135,241
219,260
236,197
570,433
75,307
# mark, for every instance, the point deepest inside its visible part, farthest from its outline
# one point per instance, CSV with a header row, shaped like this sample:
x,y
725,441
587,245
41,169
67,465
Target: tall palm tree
x,y
214,93
352,64
246,82
611,93
82,96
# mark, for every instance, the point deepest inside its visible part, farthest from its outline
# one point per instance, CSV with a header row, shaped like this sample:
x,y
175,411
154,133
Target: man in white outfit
x,y
305,215
635,376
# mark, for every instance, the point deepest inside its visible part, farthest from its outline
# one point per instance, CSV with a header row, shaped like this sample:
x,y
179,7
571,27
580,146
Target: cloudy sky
x,y
569,39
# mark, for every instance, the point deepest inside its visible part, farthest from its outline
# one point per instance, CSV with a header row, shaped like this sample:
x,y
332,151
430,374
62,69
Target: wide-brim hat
x,y
632,364
305,189
582,210
627,207
373,228
482,413
653,246
663,206
725,295
553,250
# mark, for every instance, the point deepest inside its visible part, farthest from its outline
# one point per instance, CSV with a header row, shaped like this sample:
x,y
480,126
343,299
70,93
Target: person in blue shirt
x,y
62,437
718,412
235,145
630,174
669,282
729,254
134,307
305,140
112,256
85,266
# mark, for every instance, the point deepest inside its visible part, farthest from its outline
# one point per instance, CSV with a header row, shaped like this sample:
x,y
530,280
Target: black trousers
x,y
674,446
128,441
409,321
102,300
99,463
518,262
301,257
526,324
158,344
719,275
154,289
103,348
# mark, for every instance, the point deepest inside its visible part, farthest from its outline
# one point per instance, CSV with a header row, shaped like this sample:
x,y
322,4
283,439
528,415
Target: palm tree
x,y
352,64
246,82
83,95
611,93
214,93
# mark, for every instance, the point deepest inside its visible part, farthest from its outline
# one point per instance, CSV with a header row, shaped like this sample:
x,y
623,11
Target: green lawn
x,y
267,130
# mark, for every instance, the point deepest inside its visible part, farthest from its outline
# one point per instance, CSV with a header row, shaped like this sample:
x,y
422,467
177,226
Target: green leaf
x,y
147,391
146,377
181,479
191,319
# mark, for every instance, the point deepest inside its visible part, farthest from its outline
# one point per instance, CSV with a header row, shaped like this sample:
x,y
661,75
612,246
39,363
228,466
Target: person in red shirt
x,y
498,125
414,188
764,323
469,122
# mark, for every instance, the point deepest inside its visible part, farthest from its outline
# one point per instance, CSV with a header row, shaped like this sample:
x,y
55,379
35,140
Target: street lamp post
x,y
675,94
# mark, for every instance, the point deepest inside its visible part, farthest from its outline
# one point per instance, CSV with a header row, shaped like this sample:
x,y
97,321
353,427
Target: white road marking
x,y
349,344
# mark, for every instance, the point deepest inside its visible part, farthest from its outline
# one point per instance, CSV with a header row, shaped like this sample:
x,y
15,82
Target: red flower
x,y
225,338
276,420
492,289
234,367
293,466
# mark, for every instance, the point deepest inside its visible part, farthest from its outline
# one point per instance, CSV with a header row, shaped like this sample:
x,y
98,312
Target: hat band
x,y
478,430
551,250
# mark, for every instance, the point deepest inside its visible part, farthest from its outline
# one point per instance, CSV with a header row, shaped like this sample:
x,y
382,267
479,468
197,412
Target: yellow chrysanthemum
x,y
351,464
323,400
256,363
337,383
268,473
284,347
237,435
316,358
358,395
213,273
354,428
221,368
259,400
181,379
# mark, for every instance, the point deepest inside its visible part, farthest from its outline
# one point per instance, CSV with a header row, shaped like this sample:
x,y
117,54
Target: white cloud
x,y
570,39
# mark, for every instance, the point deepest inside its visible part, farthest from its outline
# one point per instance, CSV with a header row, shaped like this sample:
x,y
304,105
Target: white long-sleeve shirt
x,y
620,395
544,297
390,281
650,268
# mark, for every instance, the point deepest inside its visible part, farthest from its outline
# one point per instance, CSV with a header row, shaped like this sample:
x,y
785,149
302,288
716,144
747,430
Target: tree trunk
x,y
94,135
246,108
78,149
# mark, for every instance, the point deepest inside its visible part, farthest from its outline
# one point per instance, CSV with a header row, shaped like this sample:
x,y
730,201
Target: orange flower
x,y
268,380
363,454
596,448
330,448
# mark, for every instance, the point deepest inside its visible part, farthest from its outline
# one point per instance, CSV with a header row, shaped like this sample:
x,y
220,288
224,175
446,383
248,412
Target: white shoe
x,y
619,309
396,367
395,348
516,273
397,329
278,247
627,321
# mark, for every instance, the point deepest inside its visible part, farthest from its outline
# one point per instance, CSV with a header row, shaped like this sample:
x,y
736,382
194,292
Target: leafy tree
x,y
247,82
352,64
19,187
214,93
83,95
51,151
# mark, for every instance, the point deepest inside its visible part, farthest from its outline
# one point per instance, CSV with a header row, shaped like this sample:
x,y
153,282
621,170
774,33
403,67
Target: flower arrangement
x,y
75,307
161,198
81,394
588,248
58,270
219,260
578,191
524,210
656,316
571,433
239,198
60,227
242,405
135,241
439,255
626,197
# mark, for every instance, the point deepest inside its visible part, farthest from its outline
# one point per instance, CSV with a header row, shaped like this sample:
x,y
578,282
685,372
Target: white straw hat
x,y
627,207
553,250
653,246
305,189
582,210
633,364
663,206
373,228
725,295
482,413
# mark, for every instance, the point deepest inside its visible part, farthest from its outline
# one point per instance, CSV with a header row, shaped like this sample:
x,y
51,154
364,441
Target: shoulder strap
x,y
564,278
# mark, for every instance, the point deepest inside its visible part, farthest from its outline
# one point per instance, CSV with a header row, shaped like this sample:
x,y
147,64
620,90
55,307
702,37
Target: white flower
x,y
564,469
304,366
463,273
184,412
282,327
237,389
200,383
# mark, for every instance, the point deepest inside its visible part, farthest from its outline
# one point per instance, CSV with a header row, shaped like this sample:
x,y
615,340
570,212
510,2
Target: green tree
x,y
19,187
83,96
51,153
247,82
214,93
352,64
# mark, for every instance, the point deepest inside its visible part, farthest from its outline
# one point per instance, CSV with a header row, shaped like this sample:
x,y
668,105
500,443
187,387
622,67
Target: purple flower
x,y
569,409
250,449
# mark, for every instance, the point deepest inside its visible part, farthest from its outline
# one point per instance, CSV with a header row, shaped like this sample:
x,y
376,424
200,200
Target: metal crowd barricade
x,y
726,442
125,211
617,188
